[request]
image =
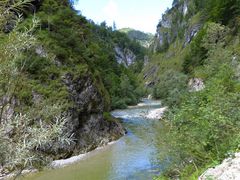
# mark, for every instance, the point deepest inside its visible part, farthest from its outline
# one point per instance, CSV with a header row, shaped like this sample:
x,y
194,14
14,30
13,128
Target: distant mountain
x,y
144,39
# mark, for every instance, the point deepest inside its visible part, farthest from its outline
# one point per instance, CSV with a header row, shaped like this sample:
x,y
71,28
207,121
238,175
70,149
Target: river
x,y
134,156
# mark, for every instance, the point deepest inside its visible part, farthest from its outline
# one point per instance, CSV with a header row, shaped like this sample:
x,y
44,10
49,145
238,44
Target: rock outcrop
x,y
124,56
156,113
86,123
176,22
191,32
228,170
196,84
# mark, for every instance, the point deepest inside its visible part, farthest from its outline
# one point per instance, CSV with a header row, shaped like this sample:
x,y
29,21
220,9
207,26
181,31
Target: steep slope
x,y
182,21
194,70
60,79
93,50
72,55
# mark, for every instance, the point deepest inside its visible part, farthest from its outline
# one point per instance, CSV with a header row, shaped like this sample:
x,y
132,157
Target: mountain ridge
x,y
145,39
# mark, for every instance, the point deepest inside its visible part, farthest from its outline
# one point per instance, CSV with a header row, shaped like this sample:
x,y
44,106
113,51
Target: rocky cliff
x,y
85,118
64,71
177,22
124,56
175,31
86,122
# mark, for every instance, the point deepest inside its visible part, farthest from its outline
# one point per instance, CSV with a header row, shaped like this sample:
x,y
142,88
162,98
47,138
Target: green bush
x,y
196,54
172,85
75,40
118,103
205,126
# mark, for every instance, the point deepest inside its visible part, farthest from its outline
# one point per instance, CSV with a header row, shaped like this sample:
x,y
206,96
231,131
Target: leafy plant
x,y
172,85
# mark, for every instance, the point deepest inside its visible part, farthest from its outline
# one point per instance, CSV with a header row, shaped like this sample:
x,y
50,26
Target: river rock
x,y
156,113
228,170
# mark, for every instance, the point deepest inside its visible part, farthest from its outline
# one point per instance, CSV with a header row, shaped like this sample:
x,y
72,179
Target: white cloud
x,y
110,11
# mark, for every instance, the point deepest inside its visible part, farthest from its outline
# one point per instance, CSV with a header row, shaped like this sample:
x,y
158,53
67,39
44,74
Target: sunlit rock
x,y
229,169
156,113
124,56
196,84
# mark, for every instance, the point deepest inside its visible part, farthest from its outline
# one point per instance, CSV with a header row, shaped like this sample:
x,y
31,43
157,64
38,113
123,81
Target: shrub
x,y
20,138
205,126
172,85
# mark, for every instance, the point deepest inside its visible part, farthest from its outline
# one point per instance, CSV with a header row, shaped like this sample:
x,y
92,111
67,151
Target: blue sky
x,y
142,15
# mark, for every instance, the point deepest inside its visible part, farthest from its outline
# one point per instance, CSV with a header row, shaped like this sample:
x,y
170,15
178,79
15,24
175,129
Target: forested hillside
x,y
74,40
61,74
194,69
145,39
60,77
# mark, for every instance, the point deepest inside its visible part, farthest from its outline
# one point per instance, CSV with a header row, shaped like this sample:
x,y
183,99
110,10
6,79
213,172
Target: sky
x,y
141,15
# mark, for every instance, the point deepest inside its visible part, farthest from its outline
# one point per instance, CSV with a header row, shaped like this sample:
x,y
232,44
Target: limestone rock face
x,y
191,32
124,56
149,76
228,170
196,84
85,123
176,22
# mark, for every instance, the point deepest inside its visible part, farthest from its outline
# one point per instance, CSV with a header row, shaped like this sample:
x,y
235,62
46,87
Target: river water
x,y
134,156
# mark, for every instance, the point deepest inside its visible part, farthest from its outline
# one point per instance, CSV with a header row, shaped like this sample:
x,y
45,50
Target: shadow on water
x,y
134,156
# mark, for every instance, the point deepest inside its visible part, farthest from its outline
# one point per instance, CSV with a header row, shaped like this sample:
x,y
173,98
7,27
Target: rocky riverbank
x,y
85,122
74,159
228,170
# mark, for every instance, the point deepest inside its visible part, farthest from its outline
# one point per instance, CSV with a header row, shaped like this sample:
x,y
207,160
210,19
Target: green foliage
x,y
128,92
25,126
33,64
220,11
223,11
205,126
27,137
172,85
73,40
210,36
143,38
196,54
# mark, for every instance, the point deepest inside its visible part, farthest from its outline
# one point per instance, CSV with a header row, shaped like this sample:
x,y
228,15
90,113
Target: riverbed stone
x,y
156,113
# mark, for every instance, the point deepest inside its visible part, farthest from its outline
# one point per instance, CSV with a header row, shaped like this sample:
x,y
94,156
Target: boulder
x,y
228,170
156,113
